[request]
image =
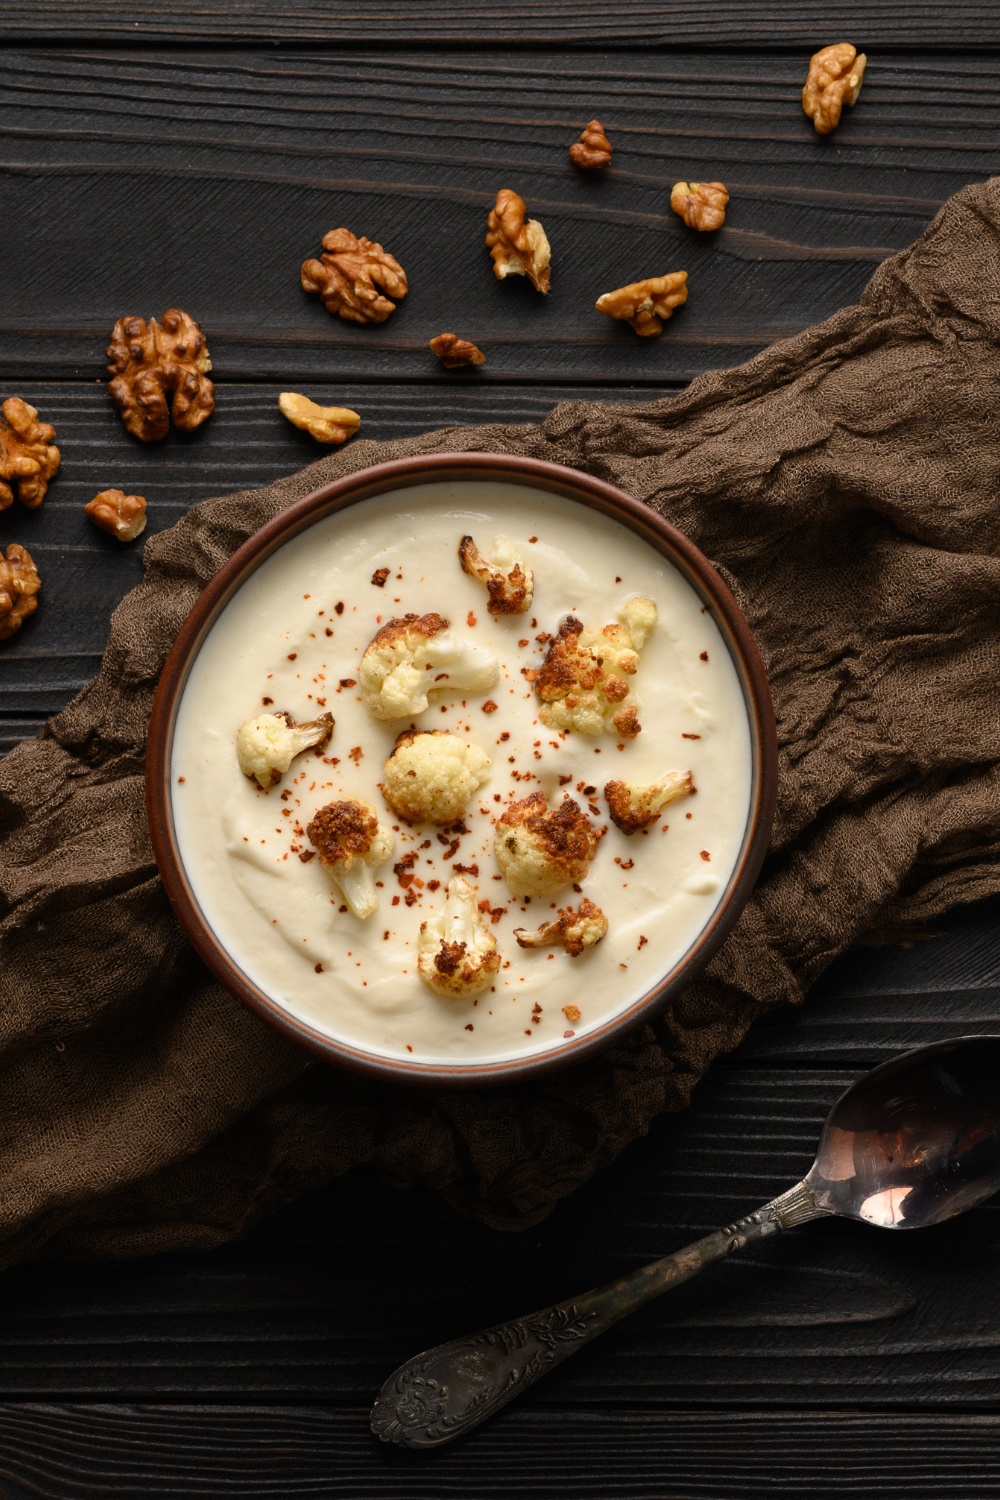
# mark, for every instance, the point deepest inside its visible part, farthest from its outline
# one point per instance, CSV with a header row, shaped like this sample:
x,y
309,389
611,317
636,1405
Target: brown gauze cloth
x,y
846,482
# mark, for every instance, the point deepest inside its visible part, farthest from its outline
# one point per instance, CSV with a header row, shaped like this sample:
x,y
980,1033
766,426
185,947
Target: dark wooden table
x,y
192,153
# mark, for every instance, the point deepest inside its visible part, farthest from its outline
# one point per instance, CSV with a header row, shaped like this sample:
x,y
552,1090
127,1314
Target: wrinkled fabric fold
x,y
846,483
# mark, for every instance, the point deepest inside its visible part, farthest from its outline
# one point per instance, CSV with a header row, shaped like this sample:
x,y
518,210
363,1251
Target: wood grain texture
x,y
51,1452
324,1300
204,179
782,23
246,444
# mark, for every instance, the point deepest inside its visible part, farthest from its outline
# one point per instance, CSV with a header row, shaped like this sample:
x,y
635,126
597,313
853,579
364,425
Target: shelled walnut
x,y
351,276
593,149
645,304
518,245
121,516
833,80
702,205
327,424
19,586
150,361
28,459
454,353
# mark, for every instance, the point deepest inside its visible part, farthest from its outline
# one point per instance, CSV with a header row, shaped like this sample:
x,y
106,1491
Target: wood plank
x,y
657,23
204,178
322,1301
247,443
203,1452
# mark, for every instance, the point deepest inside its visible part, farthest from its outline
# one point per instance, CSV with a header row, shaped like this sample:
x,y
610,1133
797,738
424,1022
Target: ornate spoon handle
x,y
442,1393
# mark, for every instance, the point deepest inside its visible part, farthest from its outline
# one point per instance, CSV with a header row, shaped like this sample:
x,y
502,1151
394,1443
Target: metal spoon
x,y
914,1142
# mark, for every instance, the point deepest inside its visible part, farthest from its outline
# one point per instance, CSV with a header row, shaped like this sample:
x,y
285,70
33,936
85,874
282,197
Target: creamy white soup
x,y
292,639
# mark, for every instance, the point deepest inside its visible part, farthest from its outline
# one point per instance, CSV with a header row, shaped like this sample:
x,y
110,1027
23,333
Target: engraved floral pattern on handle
x,y
417,1408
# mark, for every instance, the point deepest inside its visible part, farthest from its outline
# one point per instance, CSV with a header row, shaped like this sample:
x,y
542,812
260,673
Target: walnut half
x,y
27,456
355,278
327,424
19,586
454,353
702,205
121,516
645,304
150,361
593,149
834,79
518,245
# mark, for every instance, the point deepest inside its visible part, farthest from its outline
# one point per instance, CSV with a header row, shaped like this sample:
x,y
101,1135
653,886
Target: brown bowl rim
x,y
351,490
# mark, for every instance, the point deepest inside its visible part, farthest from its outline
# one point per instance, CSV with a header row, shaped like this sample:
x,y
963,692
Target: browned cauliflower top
x,y
415,655
350,842
509,584
583,682
573,930
635,807
539,850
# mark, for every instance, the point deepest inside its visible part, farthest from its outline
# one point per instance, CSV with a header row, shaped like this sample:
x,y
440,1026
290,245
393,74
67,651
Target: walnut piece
x,y
327,424
834,79
120,515
517,244
702,205
19,585
149,361
27,457
645,304
351,277
593,149
454,352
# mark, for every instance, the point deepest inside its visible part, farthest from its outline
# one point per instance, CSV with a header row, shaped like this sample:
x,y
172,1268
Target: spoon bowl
x,y
916,1141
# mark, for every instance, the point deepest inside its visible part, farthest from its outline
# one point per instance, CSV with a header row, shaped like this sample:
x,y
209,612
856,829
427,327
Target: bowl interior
x,y
314,552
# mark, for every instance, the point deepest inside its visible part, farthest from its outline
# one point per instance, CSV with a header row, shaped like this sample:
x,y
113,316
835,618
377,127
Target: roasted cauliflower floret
x,y
432,776
569,929
350,842
414,656
267,745
583,682
456,952
509,584
540,852
636,807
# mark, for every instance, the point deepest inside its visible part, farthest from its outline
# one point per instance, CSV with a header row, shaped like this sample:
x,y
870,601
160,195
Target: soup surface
x,y
292,639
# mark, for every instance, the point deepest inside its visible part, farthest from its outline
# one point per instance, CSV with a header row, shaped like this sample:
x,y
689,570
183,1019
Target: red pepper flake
x,y
394,901
292,655
317,968
527,1033
343,909
524,642
690,736
489,707
626,864
321,702
348,682
385,935
329,631
572,1013
266,701
471,620
617,578
469,1026
180,780
432,885
703,656
307,855
466,869
568,1034
532,539
705,855
642,941
544,638
338,608
408,1047
504,737
687,815
379,576
356,754
565,780
529,673
411,898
